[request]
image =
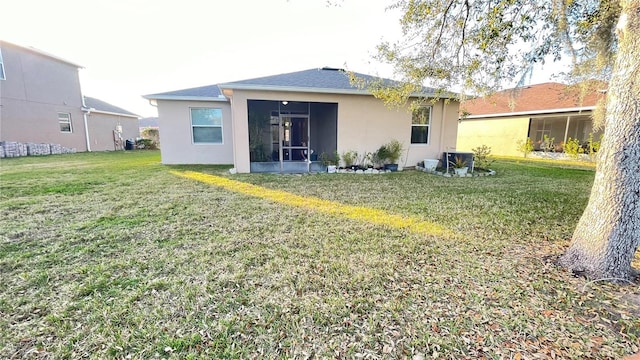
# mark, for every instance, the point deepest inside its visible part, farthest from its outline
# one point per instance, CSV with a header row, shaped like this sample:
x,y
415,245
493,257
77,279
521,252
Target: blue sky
x,y
134,47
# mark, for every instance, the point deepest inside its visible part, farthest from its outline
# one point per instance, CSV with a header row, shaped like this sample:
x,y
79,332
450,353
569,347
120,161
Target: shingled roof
x,y
209,92
539,98
326,79
317,80
101,106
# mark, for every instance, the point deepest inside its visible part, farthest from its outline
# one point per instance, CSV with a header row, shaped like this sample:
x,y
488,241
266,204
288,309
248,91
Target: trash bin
x,y
129,144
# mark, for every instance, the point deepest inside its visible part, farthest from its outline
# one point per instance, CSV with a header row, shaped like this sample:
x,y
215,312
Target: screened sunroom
x,y
290,136
561,128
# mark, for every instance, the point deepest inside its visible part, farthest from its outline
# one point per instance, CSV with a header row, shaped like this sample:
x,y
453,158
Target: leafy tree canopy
x,y
478,45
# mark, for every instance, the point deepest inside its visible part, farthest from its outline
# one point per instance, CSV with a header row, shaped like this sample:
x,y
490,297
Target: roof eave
x,y
185,98
115,113
533,112
305,89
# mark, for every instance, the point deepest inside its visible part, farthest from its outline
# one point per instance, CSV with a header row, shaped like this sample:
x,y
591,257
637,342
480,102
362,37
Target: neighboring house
x,y
40,98
109,125
271,123
41,102
509,116
148,122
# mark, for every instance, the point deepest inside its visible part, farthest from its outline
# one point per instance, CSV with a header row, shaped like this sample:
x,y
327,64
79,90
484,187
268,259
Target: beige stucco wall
x,y
35,90
501,134
174,123
364,123
101,127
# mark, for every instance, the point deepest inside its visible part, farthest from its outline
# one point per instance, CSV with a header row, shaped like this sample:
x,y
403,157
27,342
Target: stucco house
x,y
501,120
109,125
41,101
270,124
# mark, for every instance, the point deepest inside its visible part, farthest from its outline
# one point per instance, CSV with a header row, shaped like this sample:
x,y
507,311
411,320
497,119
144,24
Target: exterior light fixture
x,y
285,103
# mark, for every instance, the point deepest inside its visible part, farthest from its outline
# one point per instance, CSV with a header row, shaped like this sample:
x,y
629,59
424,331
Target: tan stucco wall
x,y
101,127
174,123
35,90
364,123
501,134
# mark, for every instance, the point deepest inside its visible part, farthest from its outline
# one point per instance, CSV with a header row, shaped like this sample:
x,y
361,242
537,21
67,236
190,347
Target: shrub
x,y
147,144
382,154
593,146
573,148
379,156
349,157
330,159
394,151
525,147
547,144
481,156
151,134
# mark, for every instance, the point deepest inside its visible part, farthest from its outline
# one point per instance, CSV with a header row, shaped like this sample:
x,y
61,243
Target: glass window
x,y
420,124
2,77
206,125
64,119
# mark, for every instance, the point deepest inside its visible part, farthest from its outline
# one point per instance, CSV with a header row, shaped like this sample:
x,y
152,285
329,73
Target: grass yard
x,y
112,255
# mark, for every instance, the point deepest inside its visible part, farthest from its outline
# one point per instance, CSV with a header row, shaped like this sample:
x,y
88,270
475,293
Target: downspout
x,y
86,111
233,134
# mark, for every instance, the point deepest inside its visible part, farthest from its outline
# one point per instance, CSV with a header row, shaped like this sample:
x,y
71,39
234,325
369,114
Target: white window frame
x,y
61,121
193,140
3,76
428,126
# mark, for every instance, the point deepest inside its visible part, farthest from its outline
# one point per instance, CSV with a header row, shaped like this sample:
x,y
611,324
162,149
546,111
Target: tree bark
x,y
608,233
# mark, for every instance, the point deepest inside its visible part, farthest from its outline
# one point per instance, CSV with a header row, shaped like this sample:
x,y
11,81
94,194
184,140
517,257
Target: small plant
x,y
458,163
593,146
393,151
573,148
366,160
349,158
379,156
330,159
382,154
525,147
548,144
481,156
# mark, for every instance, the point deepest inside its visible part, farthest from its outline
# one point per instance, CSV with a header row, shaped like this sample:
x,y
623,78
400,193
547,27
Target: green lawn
x,y
110,255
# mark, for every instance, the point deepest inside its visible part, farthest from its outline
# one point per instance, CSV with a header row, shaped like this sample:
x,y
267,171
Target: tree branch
x,y
444,22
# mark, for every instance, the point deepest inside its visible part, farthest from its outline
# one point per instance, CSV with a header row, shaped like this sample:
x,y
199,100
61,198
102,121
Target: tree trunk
x,y
608,233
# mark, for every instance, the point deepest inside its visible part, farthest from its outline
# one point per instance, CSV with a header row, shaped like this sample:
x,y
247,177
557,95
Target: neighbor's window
x,y
206,125
65,122
420,124
2,77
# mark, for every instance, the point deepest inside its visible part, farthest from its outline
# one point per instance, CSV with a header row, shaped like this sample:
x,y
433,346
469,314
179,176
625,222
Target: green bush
x,y
573,148
330,159
349,157
151,134
593,146
146,144
481,156
394,151
525,147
